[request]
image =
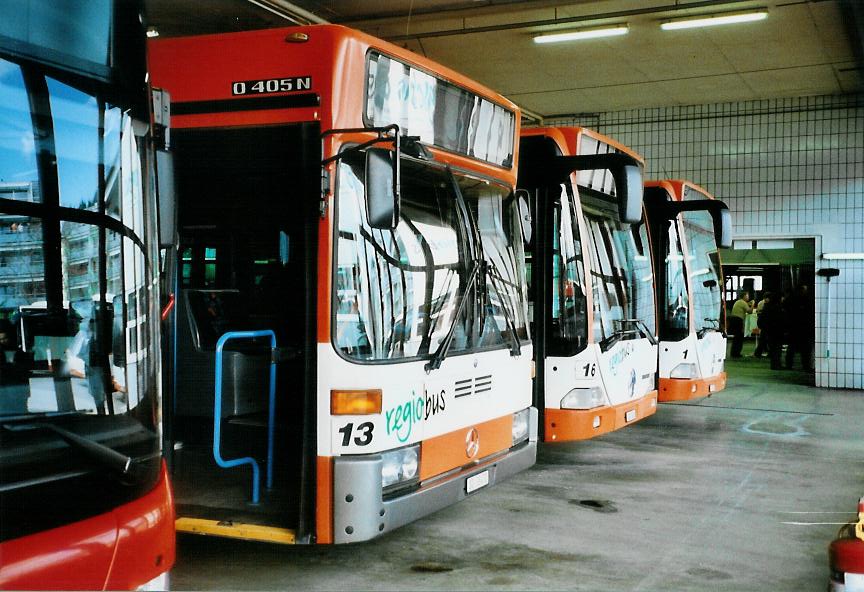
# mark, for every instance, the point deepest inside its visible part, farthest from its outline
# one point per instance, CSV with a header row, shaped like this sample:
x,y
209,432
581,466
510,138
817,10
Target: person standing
x,y
761,343
800,310
735,322
771,329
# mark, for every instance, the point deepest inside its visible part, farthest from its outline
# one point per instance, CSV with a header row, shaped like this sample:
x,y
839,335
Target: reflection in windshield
x,y
568,332
622,278
74,296
703,267
397,291
676,313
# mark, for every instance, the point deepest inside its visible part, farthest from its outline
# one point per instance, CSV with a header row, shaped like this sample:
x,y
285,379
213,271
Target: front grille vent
x,y
471,386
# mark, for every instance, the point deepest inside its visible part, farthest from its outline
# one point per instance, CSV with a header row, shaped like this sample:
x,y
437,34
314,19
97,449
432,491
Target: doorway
x,y
784,270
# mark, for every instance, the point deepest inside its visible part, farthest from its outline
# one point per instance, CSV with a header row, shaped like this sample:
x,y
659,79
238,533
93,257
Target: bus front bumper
x,y
567,425
685,389
360,513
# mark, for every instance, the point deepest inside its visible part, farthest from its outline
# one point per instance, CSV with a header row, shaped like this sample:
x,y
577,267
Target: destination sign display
x,y
441,113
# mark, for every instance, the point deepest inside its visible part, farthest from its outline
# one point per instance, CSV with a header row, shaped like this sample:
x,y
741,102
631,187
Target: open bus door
x,y
245,302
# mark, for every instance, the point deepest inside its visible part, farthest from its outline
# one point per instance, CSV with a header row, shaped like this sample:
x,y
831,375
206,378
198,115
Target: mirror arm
x,y
384,135
715,207
563,166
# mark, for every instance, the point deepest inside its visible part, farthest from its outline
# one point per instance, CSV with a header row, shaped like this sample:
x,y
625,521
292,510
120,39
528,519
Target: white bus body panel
x,y
708,355
629,369
711,351
417,406
623,373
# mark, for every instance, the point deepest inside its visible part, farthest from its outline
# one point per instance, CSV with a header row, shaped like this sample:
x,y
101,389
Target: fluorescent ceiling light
x,y
582,34
710,21
843,255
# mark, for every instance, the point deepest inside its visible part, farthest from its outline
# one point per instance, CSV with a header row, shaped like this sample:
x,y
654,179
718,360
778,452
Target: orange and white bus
x,y
687,227
347,222
592,284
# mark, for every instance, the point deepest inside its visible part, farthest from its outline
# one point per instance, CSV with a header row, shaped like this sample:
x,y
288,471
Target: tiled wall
x,y
786,167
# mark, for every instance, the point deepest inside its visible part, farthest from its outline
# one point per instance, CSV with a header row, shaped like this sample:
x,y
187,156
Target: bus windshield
x,y
568,331
675,319
622,278
704,269
73,291
397,292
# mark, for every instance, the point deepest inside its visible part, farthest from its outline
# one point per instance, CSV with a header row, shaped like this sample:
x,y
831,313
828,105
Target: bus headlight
x,y
400,465
683,371
521,419
583,398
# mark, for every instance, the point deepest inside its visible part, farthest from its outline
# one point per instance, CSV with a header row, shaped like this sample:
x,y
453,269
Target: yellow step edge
x,y
236,530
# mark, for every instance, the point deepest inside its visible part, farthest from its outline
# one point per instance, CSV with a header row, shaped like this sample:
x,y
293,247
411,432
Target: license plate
x,y
475,482
630,415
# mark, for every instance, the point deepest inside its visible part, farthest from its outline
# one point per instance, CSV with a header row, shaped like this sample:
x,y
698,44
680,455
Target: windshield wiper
x,y
701,332
646,332
471,246
515,345
106,456
435,362
615,337
640,329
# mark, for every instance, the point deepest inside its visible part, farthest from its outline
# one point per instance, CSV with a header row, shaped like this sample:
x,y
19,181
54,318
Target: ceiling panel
x,y
793,81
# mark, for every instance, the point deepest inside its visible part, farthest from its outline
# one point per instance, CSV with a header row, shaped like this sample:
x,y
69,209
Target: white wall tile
x,y
792,166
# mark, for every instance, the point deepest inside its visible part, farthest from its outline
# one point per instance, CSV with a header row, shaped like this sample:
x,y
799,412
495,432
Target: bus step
x,y
236,530
252,422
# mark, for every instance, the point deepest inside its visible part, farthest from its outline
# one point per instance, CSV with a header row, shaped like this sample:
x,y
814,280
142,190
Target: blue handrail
x,y
217,411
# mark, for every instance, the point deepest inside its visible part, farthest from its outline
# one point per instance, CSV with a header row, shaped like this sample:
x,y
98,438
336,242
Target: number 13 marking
x,y
365,430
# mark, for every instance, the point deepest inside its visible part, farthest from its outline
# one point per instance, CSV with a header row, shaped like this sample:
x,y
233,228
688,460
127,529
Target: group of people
x,y
788,319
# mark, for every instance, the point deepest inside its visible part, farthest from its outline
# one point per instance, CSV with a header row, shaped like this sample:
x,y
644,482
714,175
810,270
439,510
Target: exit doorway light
x,y
582,34
839,256
710,21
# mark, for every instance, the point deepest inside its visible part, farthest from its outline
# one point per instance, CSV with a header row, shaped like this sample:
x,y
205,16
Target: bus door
x,y
567,354
248,222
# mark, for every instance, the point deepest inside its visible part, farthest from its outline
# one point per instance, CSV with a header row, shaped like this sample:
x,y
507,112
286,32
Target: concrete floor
x,y
735,492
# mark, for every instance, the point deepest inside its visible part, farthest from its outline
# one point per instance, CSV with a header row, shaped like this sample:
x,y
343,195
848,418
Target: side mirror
x,y
167,199
723,226
626,171
629,187
382,188
525,222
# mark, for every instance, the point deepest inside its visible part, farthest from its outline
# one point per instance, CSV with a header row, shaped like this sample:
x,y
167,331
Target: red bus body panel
x,y
121,549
